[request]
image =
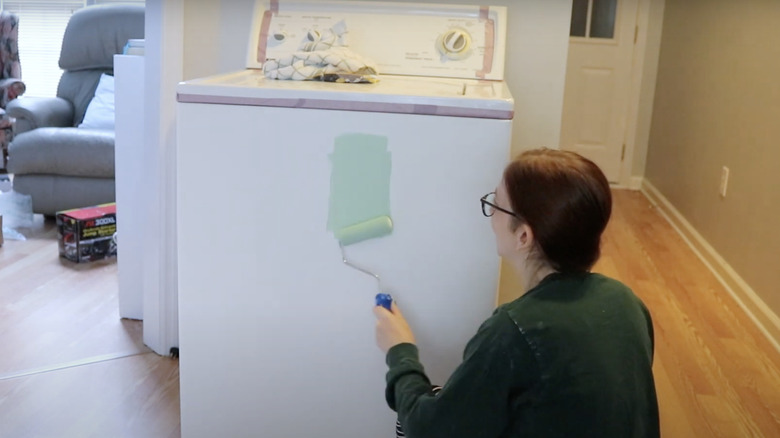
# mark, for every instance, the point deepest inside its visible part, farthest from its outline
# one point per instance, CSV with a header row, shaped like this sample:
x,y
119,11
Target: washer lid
x,y
392,94
400,38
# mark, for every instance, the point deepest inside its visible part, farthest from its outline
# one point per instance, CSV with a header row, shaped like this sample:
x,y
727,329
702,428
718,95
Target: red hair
x,y
566,200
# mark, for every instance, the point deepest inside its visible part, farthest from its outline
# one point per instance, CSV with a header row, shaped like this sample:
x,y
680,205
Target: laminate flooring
x,y
69,366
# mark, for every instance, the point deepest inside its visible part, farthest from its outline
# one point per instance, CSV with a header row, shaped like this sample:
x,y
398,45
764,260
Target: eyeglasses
x,y
489,206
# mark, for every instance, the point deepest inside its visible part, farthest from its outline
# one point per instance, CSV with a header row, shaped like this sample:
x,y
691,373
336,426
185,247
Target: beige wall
x,y
201,38
717,104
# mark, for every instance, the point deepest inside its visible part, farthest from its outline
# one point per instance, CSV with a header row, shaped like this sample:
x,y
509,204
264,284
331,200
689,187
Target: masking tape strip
x,y
359,180
262,41
490,32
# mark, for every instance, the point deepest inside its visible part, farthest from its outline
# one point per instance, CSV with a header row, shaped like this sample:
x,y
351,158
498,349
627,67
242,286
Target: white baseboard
x,y
633,183
766,320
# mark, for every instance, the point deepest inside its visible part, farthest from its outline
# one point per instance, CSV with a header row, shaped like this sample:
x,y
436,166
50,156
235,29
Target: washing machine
x,y
276,332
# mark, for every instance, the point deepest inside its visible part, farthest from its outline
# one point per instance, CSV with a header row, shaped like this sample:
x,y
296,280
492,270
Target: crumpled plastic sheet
x,y
11,234
16,210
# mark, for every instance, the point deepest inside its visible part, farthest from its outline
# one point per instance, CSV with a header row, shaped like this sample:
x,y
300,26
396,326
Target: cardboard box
x,y
87,234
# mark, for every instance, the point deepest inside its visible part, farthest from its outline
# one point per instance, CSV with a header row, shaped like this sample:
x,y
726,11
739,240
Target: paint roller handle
x,y
384,300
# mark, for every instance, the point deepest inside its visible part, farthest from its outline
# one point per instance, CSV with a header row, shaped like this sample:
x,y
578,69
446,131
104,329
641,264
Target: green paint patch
x,y
359,180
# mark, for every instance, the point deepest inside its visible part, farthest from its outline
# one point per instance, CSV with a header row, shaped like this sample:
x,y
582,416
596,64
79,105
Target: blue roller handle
x,y
384,300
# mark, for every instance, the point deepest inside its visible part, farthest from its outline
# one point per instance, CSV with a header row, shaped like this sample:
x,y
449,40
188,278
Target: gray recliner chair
x,y
59,164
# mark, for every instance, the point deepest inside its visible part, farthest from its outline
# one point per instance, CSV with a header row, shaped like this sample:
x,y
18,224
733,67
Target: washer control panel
x,y
399,38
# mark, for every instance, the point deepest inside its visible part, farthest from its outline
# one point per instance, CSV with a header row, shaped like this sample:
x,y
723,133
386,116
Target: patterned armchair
x,y
11,85
9,47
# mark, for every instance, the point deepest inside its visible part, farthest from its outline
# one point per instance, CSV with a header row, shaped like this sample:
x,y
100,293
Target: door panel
x,y
597,81
596,86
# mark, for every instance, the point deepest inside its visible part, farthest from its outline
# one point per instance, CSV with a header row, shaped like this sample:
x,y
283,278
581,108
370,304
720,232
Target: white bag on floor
x,y
16,209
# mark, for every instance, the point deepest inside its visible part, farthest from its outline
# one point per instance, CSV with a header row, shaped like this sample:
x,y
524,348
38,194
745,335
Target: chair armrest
x,y
10,89
38,112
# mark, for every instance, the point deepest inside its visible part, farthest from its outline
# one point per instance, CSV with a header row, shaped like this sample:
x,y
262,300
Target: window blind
x,y
102,2
41,27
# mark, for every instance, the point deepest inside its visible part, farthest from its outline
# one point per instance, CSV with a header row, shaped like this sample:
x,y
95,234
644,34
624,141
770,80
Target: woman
x,y
571,357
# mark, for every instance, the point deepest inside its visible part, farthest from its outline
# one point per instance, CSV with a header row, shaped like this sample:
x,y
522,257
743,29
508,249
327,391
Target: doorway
x,y
598,80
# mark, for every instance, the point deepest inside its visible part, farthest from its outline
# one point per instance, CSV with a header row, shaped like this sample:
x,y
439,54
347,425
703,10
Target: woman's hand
x,y
391,328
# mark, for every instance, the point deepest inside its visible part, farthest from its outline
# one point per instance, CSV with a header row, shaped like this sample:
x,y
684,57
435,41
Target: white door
x,y
598,77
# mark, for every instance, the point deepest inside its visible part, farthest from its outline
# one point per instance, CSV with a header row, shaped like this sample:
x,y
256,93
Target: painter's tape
x,y
359,180
262,38
265,25
490,34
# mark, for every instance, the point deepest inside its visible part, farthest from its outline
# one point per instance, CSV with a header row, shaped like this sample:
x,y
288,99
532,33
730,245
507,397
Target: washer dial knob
x,y
454,44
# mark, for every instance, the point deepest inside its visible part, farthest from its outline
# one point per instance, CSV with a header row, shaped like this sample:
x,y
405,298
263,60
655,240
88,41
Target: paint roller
x,y
370,229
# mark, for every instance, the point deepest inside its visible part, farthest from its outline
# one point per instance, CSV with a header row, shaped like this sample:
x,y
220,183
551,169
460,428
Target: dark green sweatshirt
x,y
570,358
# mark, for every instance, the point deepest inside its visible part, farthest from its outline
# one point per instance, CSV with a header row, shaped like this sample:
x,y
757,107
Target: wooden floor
x,y
69,367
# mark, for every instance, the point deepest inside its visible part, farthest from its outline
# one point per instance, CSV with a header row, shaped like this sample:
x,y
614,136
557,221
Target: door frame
x,y
644,71
164,23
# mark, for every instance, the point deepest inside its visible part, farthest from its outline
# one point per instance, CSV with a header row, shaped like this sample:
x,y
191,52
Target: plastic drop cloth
x,y
16,210
322,57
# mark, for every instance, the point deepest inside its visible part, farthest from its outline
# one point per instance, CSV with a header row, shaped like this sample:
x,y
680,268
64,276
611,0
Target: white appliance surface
x,y
276,333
